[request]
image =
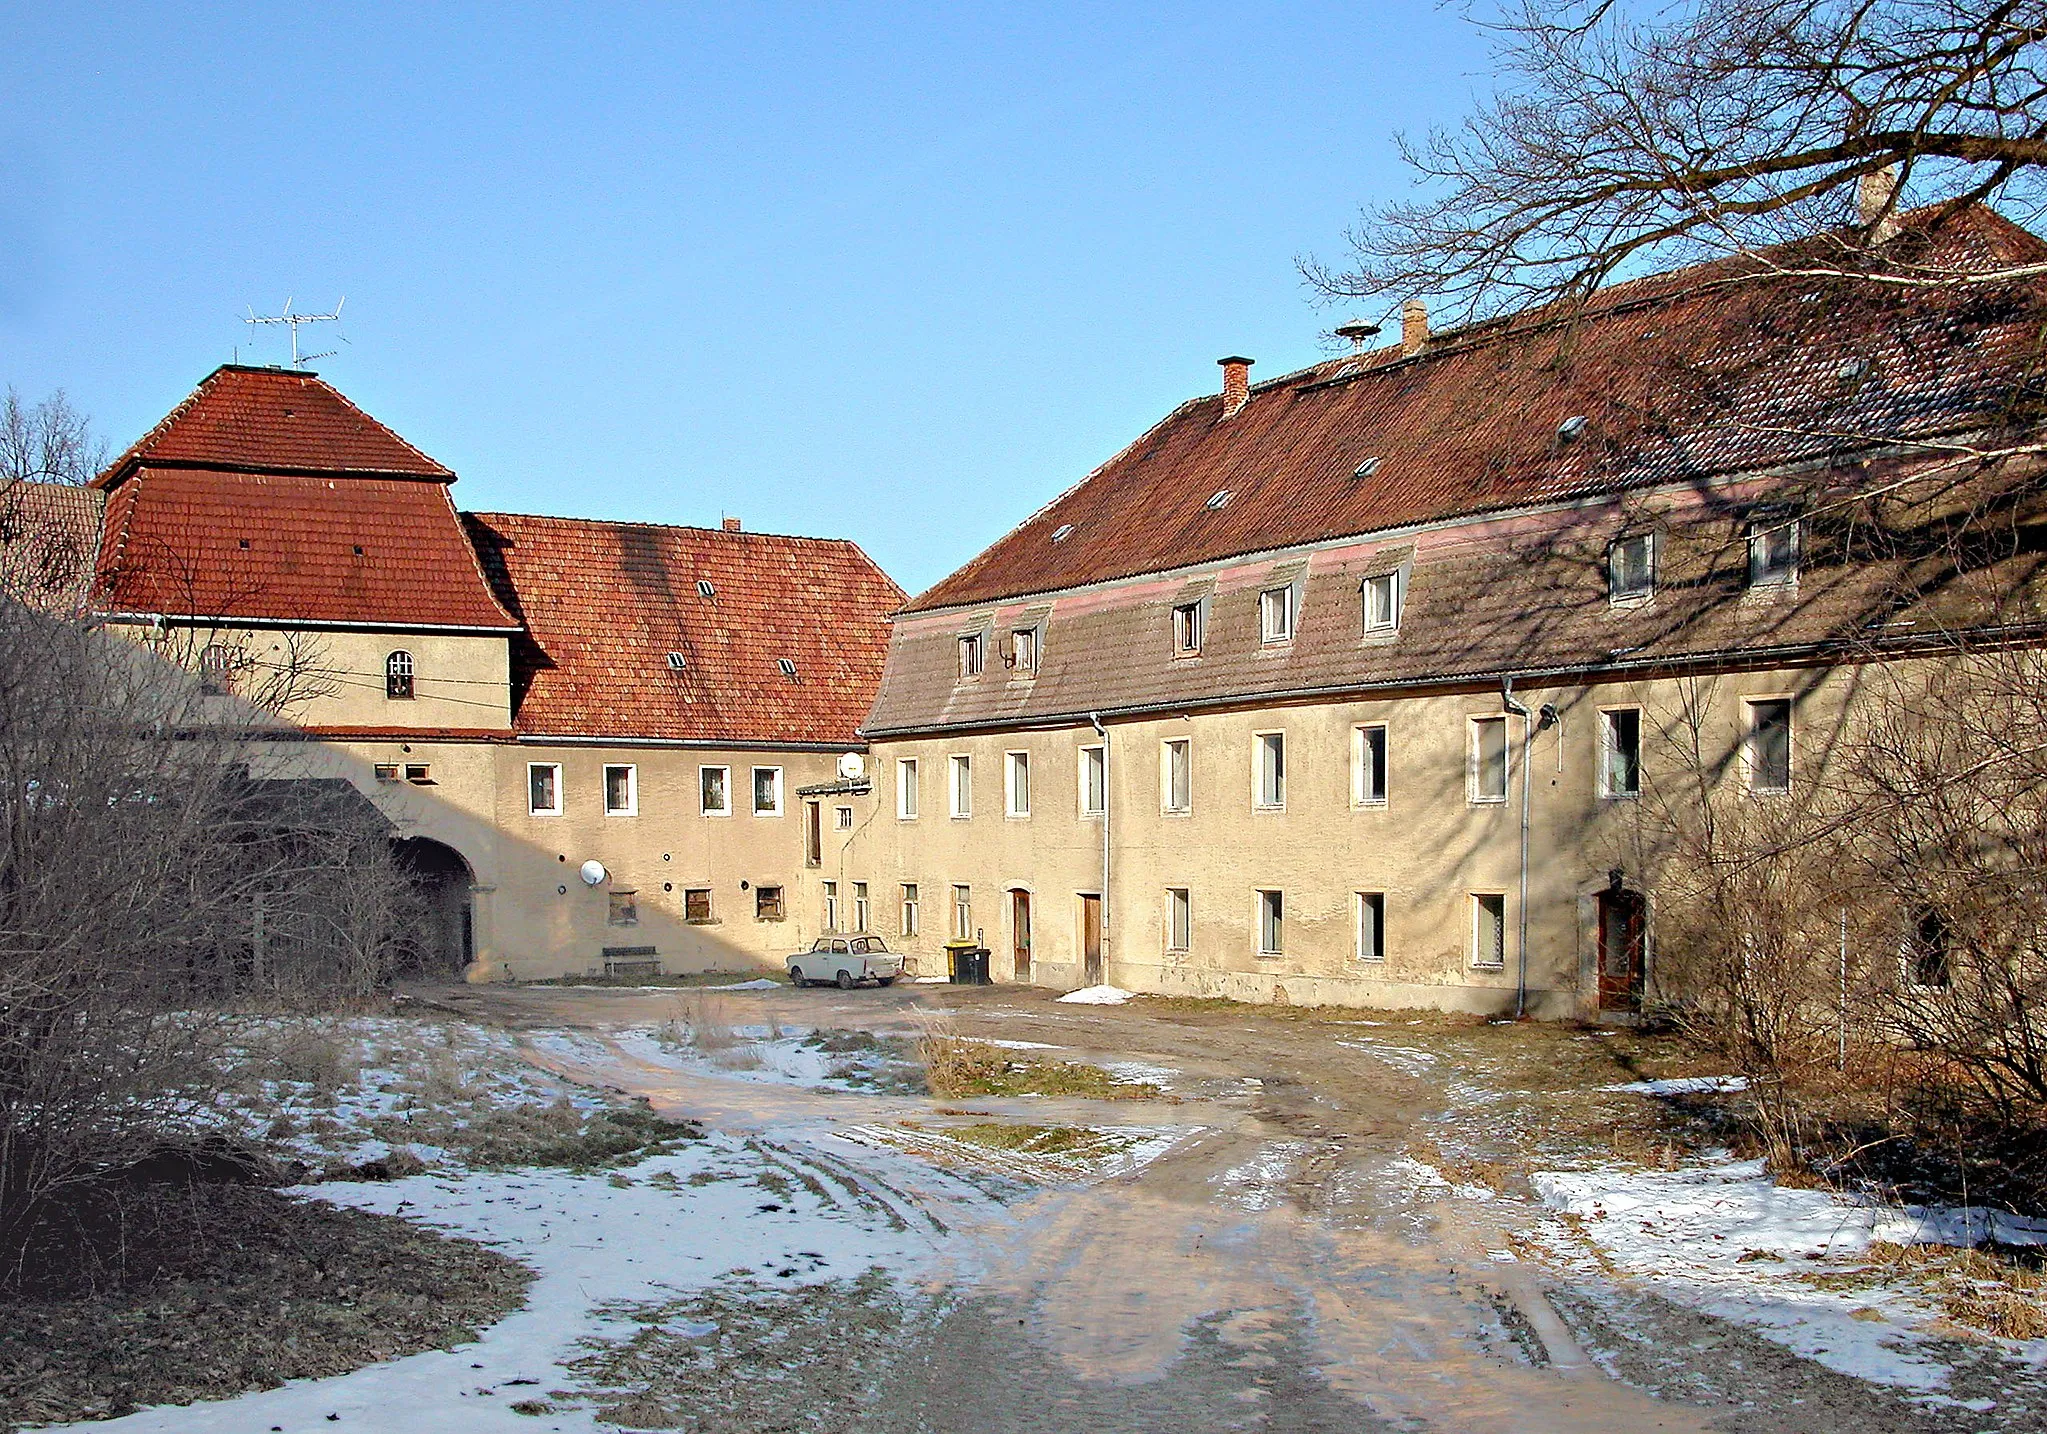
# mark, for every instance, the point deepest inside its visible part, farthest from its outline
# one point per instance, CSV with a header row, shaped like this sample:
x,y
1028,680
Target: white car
x,y
845,961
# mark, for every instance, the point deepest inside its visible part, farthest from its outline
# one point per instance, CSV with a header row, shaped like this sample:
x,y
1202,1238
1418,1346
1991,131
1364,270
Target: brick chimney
x,y
1414,326
1236,383
731,525
1876,195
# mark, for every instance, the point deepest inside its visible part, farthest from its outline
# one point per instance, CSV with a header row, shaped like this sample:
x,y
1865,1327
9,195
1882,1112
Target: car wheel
x,y
845,979
796,977
884,980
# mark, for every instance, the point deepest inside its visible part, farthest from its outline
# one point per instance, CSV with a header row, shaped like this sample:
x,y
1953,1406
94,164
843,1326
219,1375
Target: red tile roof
x,y
298,547
1679,377
275,420
49,541
605,603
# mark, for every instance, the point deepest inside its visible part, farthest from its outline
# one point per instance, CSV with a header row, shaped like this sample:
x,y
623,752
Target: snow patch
x,y
1682,1085
762,984
1097,996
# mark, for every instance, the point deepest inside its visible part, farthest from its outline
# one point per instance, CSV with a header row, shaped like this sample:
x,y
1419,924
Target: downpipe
x,y
1095,720
1521,907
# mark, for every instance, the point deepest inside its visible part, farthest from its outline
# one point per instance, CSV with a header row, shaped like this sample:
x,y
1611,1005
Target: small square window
x,y
621,791
390,772
1621,752
1371,917
1368,764
544,789
1271,915
1631,568
1773,550
696,905
1179,919
1276,614
420,774
767,791
767,903
714,791
1488,929
842,818
1382,594
1190,628
972,654
625,908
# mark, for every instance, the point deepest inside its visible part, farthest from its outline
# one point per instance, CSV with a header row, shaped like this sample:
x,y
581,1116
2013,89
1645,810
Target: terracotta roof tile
x,y
605,603
277,420
1679,376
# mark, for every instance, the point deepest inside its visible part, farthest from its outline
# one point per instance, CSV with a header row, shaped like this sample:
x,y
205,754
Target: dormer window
x,y
1382,593
973,654
1631,568
1773,549
1023,650
1276,614
677,662
398,676
704,588
1190,628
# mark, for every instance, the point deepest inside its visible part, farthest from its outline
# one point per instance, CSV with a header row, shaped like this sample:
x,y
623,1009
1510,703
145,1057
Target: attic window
x,y
704,588
1062,532
787,667
1571,427
1366,469
1216,502
358,550
1852,369
676,662
243,543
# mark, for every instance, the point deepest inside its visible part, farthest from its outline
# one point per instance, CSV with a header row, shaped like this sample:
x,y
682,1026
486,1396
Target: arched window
x,y
398,675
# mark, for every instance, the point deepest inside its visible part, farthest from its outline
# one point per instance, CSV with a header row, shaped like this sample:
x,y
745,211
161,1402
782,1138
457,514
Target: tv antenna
x,y
292,322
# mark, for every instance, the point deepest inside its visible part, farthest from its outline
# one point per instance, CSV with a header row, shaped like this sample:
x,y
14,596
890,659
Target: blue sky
x,y
897,274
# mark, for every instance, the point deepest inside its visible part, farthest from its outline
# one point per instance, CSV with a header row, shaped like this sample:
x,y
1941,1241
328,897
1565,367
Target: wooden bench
x,y
632,961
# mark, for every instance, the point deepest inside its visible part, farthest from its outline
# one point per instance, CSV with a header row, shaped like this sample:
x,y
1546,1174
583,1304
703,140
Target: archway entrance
x,y
445,934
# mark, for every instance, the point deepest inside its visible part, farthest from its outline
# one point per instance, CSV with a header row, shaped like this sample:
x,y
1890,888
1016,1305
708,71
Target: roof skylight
x,y
704,588
787,667
1366,469
1061,533
1218,499
1571,427
676,662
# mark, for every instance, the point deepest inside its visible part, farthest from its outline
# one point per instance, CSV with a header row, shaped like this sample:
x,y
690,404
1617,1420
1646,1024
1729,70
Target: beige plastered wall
x,y
1428,848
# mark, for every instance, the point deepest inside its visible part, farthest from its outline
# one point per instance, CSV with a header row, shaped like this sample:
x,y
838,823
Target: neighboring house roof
x,y
605,603
268,495
276,421
49,541
1687,375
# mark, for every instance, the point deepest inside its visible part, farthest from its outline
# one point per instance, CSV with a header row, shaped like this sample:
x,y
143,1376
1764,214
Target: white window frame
x,y
1607,749
754,793
862,911
1477,902
1259,744
1361,768
703,810
842,819
973,655
1179,919
399,668
1194,627
632,789
1760,526
1395,584
1094,757
1368,923
1167,747
959,786
1749,734
1019,639
1475,760
831,905
908,910
1270,903
1270,632
906,789
1016,785
1618,596
556,809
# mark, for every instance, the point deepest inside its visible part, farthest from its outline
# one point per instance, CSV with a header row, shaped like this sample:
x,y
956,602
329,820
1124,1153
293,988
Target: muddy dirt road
x,y
1276,1261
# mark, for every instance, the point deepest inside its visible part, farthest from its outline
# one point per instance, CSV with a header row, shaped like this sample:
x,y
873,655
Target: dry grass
x,y
1978,1289
955,1066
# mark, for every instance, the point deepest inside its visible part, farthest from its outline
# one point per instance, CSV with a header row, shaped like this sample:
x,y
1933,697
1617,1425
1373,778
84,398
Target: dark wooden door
x,y
1020,932
813,834
1091,938
1622,967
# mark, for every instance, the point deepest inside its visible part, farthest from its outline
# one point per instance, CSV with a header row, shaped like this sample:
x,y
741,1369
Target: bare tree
x,y
1624,137
47,442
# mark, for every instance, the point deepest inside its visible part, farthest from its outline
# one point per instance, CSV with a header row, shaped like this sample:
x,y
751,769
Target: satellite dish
x,y
592,872
852,765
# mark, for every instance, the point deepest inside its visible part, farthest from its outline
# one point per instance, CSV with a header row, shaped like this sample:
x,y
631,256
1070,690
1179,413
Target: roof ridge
x,y
485,515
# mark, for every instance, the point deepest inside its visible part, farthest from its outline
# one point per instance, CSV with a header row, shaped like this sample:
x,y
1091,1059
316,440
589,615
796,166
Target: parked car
x,y
845,961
